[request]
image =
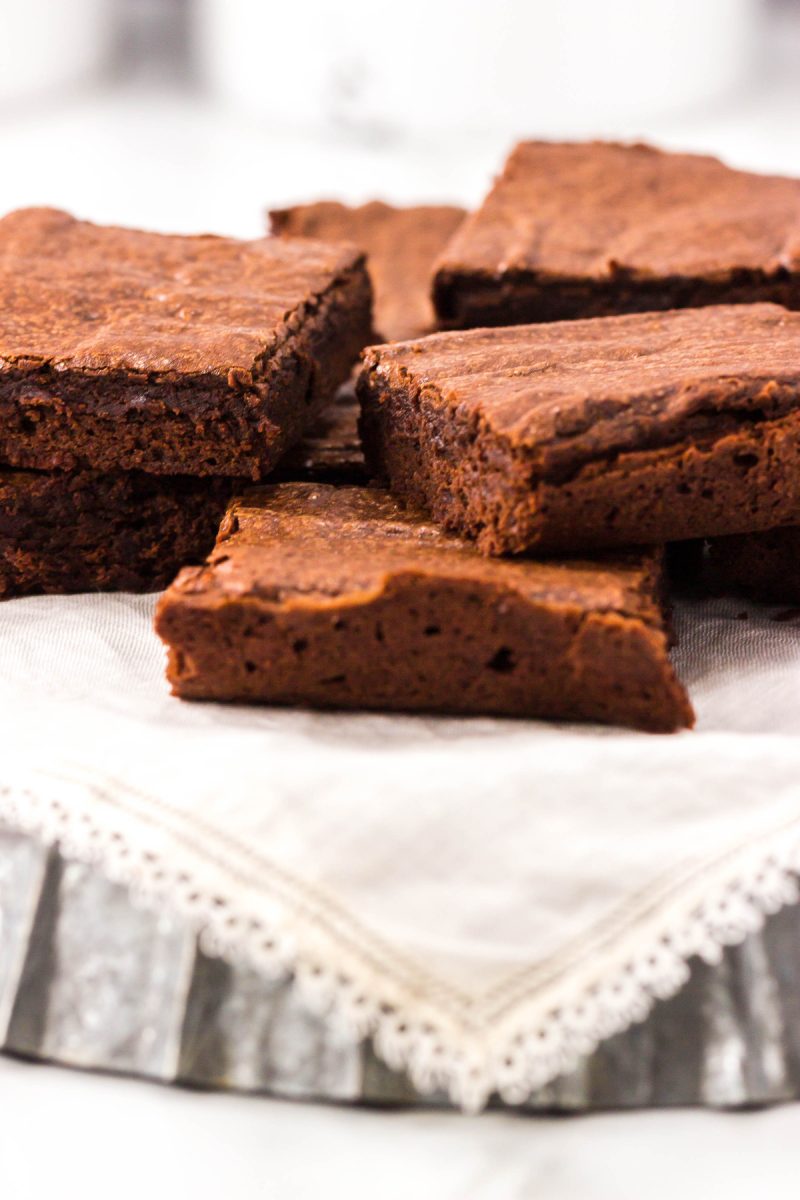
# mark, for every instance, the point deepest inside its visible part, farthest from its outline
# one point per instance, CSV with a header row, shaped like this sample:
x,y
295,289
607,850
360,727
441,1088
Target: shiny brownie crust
x,y
172,355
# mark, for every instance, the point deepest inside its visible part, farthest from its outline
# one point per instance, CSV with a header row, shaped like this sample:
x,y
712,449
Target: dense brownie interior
x,y
84,531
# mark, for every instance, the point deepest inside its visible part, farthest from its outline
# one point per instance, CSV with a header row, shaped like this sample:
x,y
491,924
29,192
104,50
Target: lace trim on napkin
x,y
538,1031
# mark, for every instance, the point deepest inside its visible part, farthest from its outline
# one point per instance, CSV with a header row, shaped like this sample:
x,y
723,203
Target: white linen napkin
x,y
488,898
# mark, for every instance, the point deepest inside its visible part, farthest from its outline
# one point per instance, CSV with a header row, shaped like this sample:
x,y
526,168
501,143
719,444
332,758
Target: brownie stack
x,y
141,378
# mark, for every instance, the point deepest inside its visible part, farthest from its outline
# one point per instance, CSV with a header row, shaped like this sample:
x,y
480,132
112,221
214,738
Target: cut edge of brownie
x,y
465,299
66,420
420,639
436,458
87,531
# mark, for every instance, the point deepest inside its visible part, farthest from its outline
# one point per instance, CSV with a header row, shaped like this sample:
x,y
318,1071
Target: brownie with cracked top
x,y
127,350
596,228
339,598
574,435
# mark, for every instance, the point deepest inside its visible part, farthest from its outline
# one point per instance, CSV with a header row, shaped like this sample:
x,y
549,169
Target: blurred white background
x,y
196,114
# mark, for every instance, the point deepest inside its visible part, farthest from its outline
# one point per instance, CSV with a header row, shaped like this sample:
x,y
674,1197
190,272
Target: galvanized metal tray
x,y
88,979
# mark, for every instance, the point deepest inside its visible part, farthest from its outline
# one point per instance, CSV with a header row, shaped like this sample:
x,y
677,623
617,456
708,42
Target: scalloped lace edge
x,y
529,1049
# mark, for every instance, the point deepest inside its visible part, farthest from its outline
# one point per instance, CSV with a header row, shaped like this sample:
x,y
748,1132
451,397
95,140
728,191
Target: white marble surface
x,y
64,1133
164,160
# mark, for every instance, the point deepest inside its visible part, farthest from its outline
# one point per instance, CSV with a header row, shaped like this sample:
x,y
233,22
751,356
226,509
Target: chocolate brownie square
x,y
592,229
173,355
638,430
401,245
339,598
86,531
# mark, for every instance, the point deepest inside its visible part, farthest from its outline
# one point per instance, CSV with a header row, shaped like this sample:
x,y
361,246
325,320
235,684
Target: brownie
x,y
580,434
593,229
761,566
331,451
173,355
83,531
401,244
338,598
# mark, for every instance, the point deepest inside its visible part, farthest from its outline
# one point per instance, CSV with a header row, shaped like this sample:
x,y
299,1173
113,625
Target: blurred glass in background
x,y
47,47
197,113
434,66
426,68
